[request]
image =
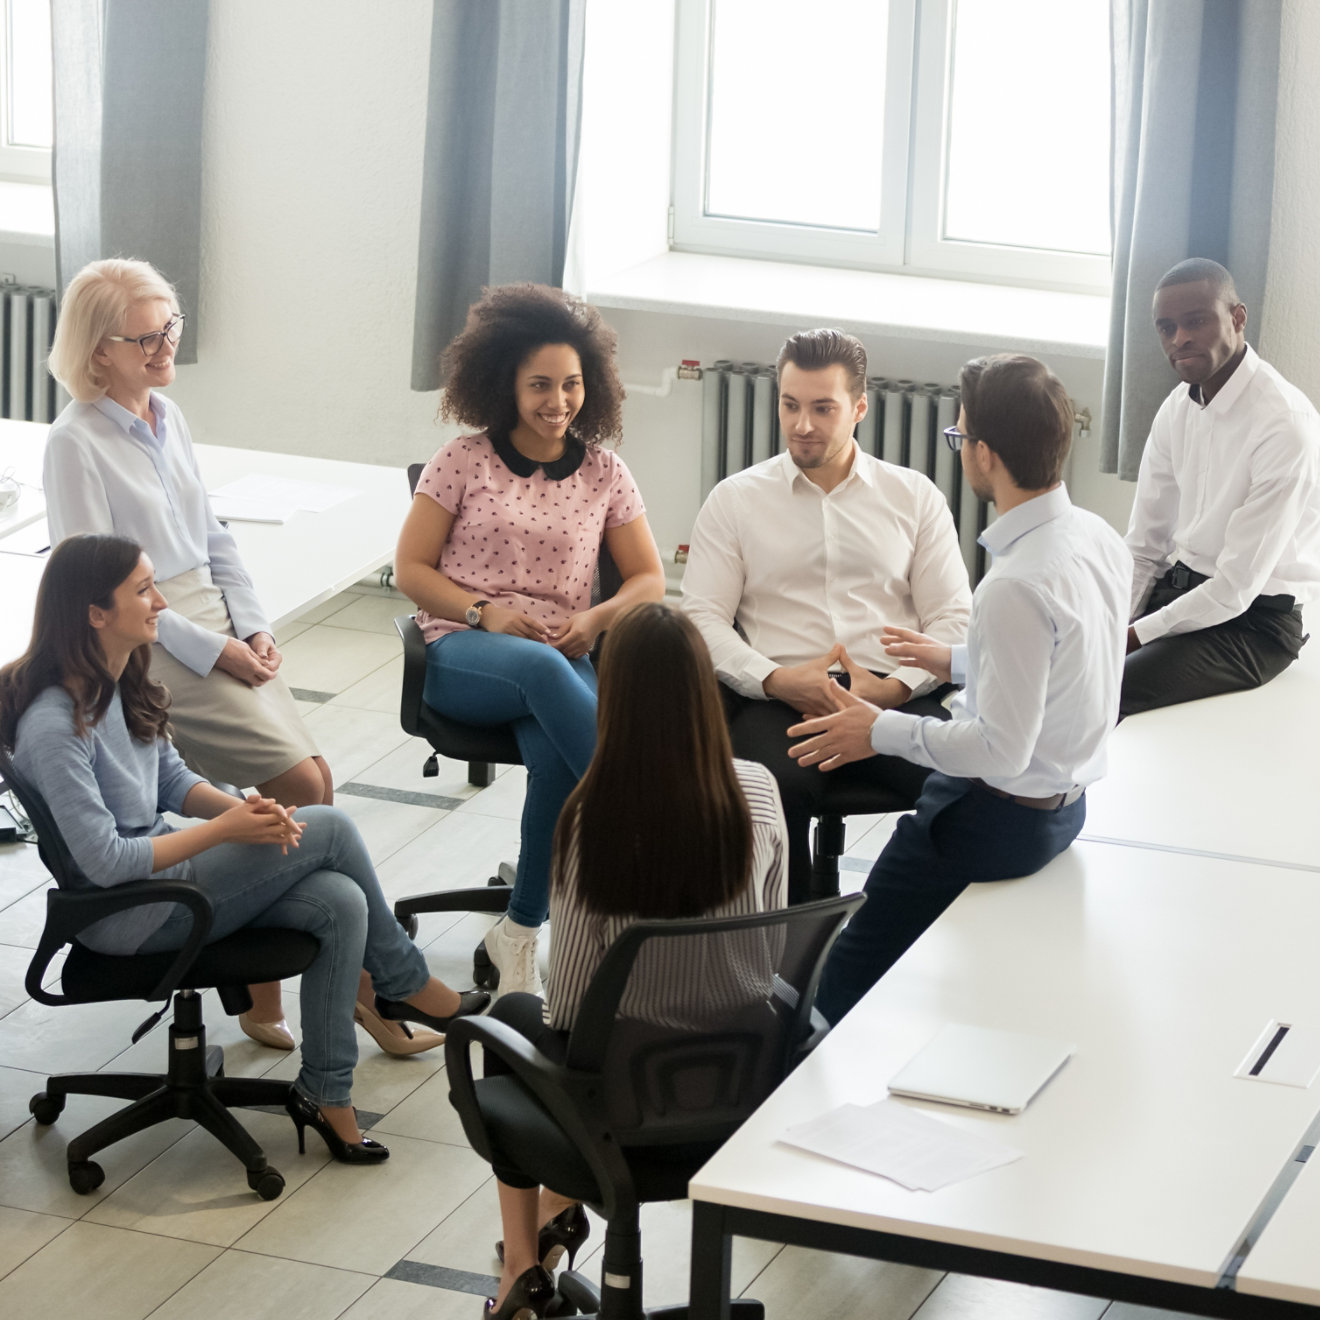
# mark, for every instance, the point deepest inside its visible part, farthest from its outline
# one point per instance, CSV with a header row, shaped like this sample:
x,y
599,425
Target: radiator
x,y
903,425
27,322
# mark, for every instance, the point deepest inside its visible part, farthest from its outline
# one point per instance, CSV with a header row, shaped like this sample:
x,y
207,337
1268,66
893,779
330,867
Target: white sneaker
x,y
512,949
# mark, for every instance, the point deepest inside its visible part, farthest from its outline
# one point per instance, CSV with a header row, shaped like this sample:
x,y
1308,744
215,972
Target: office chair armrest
x,y
68,914
414,674
566,1095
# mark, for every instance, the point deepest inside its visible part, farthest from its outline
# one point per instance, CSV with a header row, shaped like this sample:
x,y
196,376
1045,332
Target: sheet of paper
x,y
285,492
229,509
905,1145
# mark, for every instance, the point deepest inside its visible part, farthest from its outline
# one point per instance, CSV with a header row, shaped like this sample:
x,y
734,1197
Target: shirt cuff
x,y
958,664
918,680
750,680
198,648
1149,627
891,733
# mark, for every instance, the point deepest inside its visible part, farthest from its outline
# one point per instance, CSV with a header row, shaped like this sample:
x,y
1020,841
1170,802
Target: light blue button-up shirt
x,y
1043,662
106,472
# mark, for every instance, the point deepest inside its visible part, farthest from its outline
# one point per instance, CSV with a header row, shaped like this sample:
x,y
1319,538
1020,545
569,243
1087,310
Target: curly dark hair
x,y
505,326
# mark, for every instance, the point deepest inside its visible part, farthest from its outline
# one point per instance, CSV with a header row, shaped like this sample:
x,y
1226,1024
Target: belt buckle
x,y
1182,576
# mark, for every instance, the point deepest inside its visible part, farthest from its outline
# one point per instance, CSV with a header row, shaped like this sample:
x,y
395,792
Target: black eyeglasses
x,y
151,344
954,438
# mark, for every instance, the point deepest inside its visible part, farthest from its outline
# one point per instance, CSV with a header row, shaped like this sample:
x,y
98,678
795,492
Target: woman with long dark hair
x,y
664,824
499,550
86,725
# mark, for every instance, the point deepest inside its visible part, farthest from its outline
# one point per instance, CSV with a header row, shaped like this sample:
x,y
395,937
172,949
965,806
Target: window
x,y
25,81
950,137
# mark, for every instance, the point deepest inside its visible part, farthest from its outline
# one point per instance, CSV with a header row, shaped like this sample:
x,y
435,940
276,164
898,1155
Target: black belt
x,y
1055,802
1182,578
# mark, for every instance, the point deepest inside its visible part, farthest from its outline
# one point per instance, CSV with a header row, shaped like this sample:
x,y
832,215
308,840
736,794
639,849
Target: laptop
x,y
981,1068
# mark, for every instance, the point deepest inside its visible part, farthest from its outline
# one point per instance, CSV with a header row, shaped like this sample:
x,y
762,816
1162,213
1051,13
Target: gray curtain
x,y
1195,87
126,166
503,119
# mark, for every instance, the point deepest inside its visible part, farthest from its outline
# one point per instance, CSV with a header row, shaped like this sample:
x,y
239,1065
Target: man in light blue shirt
x,y
1042,665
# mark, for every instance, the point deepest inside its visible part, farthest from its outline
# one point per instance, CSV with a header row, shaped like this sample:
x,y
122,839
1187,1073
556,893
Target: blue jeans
x,y
958,835
327,887
488,678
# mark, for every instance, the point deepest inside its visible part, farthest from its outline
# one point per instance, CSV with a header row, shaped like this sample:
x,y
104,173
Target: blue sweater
x,y
106,791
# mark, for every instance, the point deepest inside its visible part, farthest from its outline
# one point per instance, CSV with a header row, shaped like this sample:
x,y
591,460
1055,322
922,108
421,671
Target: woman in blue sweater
x,y
86,726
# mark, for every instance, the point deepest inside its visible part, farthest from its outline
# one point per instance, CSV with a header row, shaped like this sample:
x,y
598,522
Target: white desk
x,y
294,565
1285,1262
22,445
1233,776
1146,1158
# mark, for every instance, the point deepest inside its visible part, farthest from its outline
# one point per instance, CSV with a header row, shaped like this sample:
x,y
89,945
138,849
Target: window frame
x,y
914,159
17,164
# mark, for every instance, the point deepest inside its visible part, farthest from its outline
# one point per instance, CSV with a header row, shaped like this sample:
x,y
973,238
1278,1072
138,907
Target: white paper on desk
x,y
228,509
905,1145
285,492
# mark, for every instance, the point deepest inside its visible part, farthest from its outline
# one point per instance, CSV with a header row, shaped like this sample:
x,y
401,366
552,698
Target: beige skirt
x,y
225,730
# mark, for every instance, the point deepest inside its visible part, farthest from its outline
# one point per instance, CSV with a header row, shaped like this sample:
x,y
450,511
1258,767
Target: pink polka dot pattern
x,y
527,543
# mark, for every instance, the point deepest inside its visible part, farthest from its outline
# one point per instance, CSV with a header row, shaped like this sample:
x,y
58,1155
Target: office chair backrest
x,y
54,852
692,1023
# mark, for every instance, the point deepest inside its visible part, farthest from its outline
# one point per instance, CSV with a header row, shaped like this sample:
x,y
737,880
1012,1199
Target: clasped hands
x,y
573,638
260,819
254,662
838,729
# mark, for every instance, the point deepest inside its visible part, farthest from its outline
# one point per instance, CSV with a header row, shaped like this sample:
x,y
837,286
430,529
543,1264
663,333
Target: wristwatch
x,y
473,615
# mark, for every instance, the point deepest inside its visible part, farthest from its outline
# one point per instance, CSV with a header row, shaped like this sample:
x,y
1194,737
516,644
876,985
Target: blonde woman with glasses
x,y
120,460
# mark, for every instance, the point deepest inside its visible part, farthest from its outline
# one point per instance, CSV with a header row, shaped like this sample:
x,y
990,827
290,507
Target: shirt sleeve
x,y
444,478
1282,486
1013,668
576,949
1154,511
625,504
941,594
774,876
174,781
76,501
712,589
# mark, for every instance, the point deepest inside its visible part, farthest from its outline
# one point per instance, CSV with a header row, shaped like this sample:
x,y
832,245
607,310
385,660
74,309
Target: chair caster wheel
x,y
85,1176
267,1183
485,975
45,1108
410,925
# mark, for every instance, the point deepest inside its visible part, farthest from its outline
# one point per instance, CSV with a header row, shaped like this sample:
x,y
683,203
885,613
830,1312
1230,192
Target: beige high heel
x,y
413,1040
275,1034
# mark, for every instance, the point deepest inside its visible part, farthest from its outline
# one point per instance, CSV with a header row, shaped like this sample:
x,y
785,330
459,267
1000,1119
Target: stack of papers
x,y
913,1149
274,499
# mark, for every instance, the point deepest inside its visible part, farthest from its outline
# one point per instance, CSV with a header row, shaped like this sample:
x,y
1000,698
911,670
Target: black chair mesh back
x,y
708,1017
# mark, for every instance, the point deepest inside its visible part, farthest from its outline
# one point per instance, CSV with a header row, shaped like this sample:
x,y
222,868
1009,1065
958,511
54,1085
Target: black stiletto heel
x,y
307,1114
395,1010
532,1292
566,1232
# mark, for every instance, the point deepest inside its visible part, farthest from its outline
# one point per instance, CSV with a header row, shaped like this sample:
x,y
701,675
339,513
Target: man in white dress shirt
x,y
1042,666
1225,530
798,564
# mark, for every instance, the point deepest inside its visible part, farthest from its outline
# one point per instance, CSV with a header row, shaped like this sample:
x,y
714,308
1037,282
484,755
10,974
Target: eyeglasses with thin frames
x,y
151,344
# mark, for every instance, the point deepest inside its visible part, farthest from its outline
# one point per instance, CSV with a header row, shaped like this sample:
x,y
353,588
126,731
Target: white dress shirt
x,y
1043,662
105,471
779,571
1231,488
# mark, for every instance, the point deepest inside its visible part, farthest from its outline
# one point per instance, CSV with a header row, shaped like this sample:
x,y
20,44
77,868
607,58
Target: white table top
x,y
22,445
1145,1155
1232,776
1285,1261
294,565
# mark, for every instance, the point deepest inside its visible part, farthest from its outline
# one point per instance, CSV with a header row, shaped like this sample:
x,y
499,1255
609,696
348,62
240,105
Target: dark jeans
x,y
1233,656
958,835
759,732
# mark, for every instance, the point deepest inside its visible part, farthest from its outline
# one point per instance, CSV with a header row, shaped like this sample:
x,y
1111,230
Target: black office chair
x,y
637,1108
194,1085
483,747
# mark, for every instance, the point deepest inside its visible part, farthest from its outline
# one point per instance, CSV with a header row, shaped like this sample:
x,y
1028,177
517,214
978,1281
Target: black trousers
x,y
1233,656
759,732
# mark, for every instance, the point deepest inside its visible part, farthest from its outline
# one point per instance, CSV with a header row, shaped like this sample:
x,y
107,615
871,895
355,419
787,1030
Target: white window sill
x,y
992,317
27,213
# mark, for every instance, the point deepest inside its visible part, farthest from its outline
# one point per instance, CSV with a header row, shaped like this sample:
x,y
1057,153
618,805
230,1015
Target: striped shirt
x,y
707,981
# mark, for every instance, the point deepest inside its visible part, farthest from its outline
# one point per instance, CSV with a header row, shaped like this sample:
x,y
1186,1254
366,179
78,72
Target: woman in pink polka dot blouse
x,y
500,548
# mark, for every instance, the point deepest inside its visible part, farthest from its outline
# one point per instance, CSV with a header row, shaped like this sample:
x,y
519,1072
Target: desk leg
x,y
711,1250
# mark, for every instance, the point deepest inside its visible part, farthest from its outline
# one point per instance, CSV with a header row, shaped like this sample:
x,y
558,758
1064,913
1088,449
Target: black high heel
x,y
532,1292
566,1232
395,1010
306,1113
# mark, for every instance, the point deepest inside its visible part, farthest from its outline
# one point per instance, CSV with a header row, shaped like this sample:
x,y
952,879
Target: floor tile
x,y
369,1218
13,968
466,1238
373,613
379,690
387,826
503,798
90,1270
392,1300
17,1087
21,871
463,850
1127,1311
351,740
427,1115
961,1297
330,659
401,767
23,1234
22,922
68,1038
197,1190
327,608
801,1282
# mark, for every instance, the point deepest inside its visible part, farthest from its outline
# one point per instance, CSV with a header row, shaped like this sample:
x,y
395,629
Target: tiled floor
x,y
174,1232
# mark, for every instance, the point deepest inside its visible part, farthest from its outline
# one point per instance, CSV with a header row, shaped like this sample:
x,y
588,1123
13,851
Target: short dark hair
x,y
1196,269
505,326
813,350
1020,408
